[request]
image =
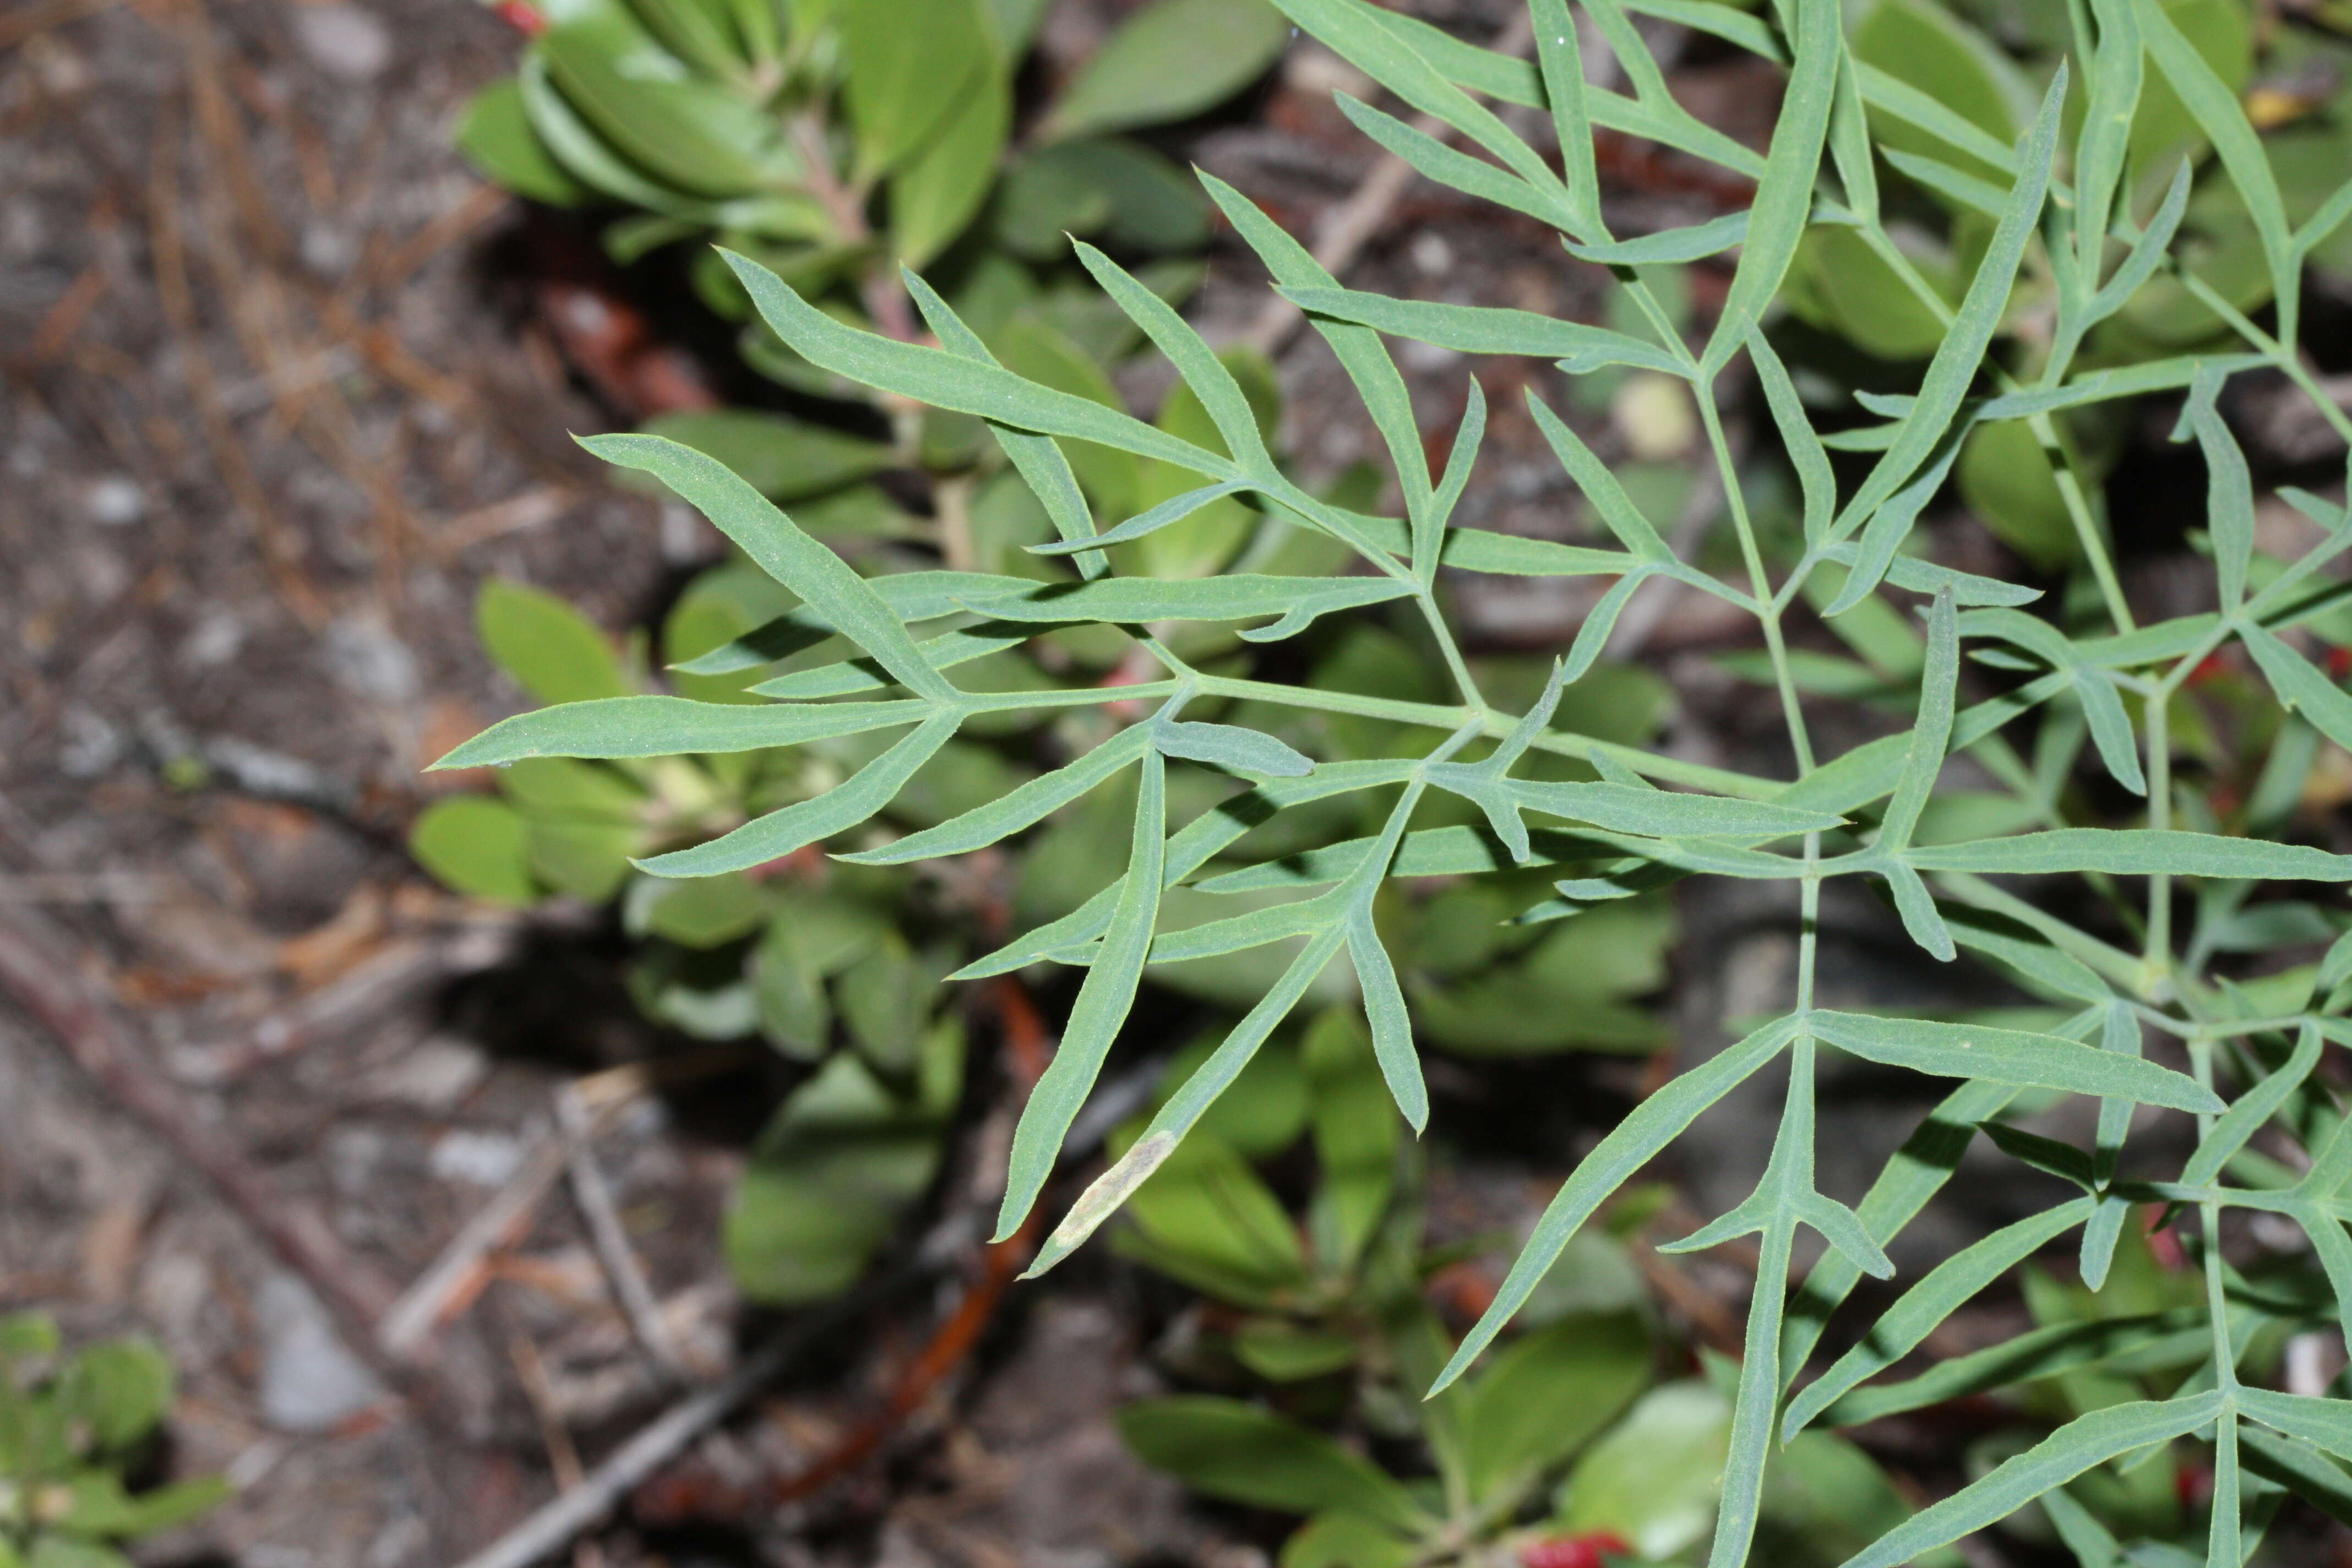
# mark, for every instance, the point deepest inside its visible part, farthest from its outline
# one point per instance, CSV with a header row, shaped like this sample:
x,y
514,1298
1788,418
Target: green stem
x,y
1492,722
2045,431
1766,609
2285,360
2155,982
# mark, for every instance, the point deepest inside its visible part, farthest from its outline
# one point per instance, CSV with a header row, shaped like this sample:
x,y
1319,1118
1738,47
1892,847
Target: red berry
x,y
1586,1550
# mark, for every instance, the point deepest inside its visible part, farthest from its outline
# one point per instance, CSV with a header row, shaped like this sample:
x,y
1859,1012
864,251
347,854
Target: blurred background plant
x,y
78,1433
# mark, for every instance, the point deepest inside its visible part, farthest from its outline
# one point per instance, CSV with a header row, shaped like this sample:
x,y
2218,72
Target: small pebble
x,y
482,1159
435,1075
115,500
347,42
310,1381
365,657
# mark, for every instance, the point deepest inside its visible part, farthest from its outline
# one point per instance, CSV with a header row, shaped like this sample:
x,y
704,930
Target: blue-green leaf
x,y
2008,1056
807,822
774,541
1103,1003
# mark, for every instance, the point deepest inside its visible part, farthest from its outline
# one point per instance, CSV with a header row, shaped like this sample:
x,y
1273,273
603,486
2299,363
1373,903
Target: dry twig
x,y
453,1279
548,1529
48,985
576,1125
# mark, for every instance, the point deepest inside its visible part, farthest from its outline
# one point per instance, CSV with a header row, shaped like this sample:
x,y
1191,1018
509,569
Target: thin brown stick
x,y
65,317
46,983
563,1454
483,204
576,1125
170,251
452,1280
574,1510
35,20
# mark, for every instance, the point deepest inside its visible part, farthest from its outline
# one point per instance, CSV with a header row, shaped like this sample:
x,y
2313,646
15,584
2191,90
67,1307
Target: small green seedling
x,y
75,1431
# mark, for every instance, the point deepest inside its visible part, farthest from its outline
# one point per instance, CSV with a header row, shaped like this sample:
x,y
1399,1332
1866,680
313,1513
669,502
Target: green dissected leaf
x,y
2324,1423
782,458
2136,852
550,649
1629,1146
477,846
2151,1343
1170,61
1040,351
2089,1440
1022,807
664,726
1367,37
1956,359
2300,686
1185,1107
1662,814
2302,1468
1450,166
1097,1016
1927,47
1923,760
807,822
2008,1056
780,548
946,381
909,596
496,138
1934,1298
1359,349
2247,1115
1784,193
1296,601
1478,329
2213,105
1239,1452
1234,748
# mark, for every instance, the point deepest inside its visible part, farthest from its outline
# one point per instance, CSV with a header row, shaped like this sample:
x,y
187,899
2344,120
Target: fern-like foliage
x,y
2062,217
